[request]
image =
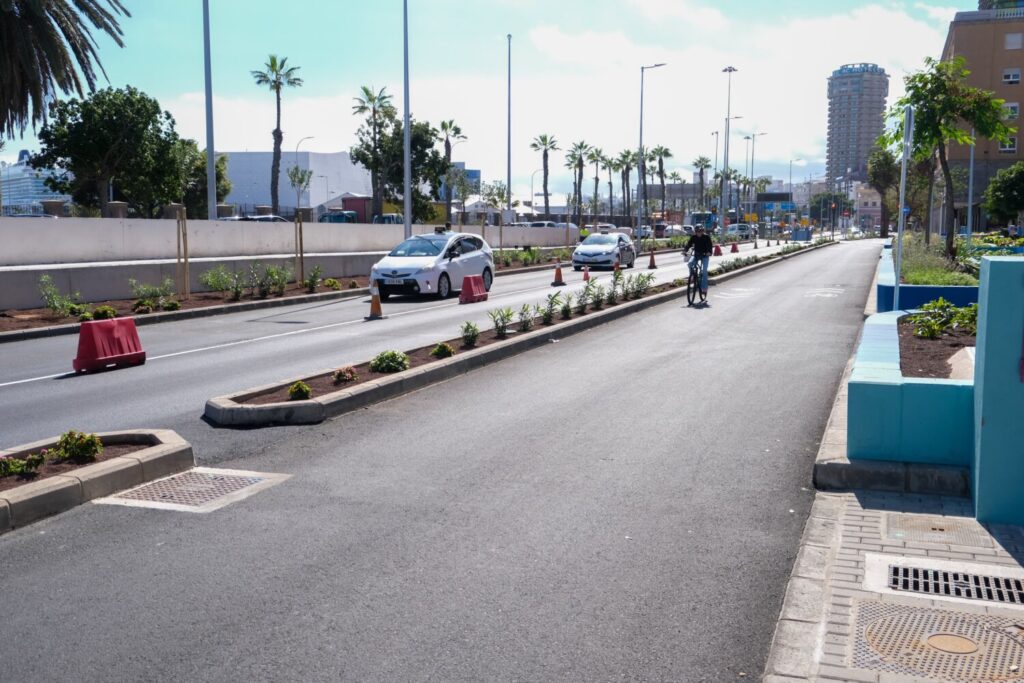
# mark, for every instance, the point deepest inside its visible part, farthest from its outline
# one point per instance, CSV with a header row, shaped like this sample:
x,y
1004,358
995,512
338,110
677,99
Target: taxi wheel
x,y
488,278
444,286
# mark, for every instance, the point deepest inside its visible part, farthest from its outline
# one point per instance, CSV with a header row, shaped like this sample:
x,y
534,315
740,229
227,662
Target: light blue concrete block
x,y
938,422
873,416
999,393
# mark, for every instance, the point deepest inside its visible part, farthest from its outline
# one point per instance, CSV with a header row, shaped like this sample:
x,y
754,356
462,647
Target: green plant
x,y
104,313
277,278
345,375
442,350
389,361
22,467
170,305
142,306
218,278
679,282
313,279
352,284
547,313
141,290
60,304
77,447
965,319
85,317
597,297
469,332
525,318
299,391
566,310
331,283
77,309
501,317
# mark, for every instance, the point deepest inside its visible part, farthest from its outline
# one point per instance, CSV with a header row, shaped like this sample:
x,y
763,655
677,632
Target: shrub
x,y
965,319
566,310
331,283
104,313
142,306
597,298
218,278
77,309
22,467
469,332
77,447
314,278
278,279
272,279
525,318
299,391
141,290
389,361
53,299
442,350
170,305
352,284
679,282
345,375
501,317
547,313
85,317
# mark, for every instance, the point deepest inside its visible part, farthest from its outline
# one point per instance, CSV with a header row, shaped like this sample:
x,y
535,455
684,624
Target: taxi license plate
x,y
393,281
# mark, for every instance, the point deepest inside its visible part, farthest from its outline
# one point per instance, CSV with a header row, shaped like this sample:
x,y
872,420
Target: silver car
x,y
604,250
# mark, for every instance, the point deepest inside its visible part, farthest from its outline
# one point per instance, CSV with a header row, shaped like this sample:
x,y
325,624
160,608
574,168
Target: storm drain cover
x,y
927,529
938,644
957,584
201,489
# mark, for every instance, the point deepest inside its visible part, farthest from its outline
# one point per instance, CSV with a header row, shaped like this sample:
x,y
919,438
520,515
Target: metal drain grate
x,y
956,584
200,489
937,644
927,529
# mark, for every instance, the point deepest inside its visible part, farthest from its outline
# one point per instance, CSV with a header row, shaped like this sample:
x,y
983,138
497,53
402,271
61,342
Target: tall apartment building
x,y
991,41
856,113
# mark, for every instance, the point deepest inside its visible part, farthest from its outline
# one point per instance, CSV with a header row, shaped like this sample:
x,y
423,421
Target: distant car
x,y
338,217
266,219
30,215
659,230
543,224
563,225
674,231
433,263
389,219
643,232
604,249
687,229
740,230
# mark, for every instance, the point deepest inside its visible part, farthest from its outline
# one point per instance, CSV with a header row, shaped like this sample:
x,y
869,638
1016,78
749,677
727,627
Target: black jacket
x,y
701,245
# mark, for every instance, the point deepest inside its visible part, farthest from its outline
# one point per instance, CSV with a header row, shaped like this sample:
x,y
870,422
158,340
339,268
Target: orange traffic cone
x,y
558,281
586,273
617,269
375,311
652,265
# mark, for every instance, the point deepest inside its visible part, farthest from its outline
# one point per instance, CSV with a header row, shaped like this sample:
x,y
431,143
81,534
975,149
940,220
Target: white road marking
x,y
824,293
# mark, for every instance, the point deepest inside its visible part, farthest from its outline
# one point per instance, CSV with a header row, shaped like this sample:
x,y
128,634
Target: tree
x,y
595,156
377,107
677,180
192,163
43,48
462,187
1004,196
576,158
702,164
115,137
883,176
544,144
277,75
449,131
626,159
943,102
828,205
610,165
661,153
299,178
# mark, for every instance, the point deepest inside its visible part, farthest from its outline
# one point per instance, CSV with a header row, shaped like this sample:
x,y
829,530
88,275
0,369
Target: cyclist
x,y
700,242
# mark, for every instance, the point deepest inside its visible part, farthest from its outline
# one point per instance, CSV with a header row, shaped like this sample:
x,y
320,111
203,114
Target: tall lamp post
x,y
508,169
211,169
729,71
753,151
715,133
407,142
640,155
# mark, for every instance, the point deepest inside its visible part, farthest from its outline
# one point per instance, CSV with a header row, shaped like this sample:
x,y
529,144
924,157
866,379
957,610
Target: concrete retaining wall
x,y
914,296
32,241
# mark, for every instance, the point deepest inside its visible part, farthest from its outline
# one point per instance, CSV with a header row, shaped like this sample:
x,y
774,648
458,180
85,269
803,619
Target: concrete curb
x,y
167,454
227,412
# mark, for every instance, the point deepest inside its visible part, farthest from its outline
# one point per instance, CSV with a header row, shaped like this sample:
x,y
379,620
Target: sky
x,y
575,72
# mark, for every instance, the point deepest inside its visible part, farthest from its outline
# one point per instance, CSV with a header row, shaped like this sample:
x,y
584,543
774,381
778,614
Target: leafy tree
x,y
449,131
702,164
377,107
192,165
495,194
115,137
595,156
943,102
277,75
43,48
462,188
883,176
544,144
609,164
575,158
661,153
1004,196
829,204
626,161
299,178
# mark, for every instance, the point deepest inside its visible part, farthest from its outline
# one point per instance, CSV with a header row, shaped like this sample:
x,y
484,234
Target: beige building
x,y
856,117
992,44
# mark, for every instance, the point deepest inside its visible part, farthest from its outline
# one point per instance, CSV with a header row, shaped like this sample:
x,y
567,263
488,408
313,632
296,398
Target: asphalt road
x,y
625,504
190,361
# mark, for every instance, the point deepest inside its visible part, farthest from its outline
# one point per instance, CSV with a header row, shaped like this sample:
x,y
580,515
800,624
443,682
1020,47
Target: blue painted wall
x,y
891,417
914,296
999,399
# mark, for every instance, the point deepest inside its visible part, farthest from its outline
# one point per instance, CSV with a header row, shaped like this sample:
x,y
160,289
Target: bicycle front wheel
x,y
692,286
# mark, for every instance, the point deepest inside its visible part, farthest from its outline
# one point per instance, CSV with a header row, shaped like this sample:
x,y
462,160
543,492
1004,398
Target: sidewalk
x,y
892,587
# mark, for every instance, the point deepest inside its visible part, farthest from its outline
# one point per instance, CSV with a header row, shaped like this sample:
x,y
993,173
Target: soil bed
x,y
920,357
51,468
29,318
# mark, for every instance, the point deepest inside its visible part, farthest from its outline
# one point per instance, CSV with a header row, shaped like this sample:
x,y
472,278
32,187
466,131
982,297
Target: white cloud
x,y
942,15
700,17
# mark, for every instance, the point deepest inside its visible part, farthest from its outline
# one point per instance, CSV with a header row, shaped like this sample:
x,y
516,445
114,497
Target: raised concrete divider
x,y
166,454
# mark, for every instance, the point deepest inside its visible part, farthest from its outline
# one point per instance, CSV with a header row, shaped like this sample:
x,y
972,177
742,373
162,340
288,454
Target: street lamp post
x,y
729,70
640,155
298,197
715,133
970,194
327,188
753,150
211,166
533,197
407,142
508,169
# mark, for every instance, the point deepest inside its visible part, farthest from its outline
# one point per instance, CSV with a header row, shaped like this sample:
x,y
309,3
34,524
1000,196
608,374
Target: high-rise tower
x,y
856,112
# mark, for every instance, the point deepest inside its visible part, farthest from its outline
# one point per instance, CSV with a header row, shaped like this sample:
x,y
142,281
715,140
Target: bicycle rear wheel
x,y
692,286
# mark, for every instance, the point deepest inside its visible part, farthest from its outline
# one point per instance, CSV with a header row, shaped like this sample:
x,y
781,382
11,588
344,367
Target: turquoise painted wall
x,y
998,479
914,296
891,417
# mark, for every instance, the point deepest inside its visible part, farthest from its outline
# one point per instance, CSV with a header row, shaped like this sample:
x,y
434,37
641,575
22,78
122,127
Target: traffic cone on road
x,y
558,281
586,273
652,265
617,269
718,250
375,310
735,249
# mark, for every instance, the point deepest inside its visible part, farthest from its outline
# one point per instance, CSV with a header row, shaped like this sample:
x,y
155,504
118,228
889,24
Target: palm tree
x,y
702,164
595,155
609,164
45,45
375,104
545,143
661,153
277,76
677,180
625,161
576,158
449,131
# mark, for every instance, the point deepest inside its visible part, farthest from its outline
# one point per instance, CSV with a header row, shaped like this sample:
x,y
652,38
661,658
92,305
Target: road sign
x,y
906,210
803,222
788,206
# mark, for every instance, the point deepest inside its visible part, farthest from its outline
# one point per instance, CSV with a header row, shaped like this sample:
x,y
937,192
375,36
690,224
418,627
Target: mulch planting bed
x,y
920,357
29,318
51,468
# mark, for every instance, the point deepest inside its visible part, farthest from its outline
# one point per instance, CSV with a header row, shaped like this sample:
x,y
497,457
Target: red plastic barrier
x,y
718,250
108,343
735,248
472,290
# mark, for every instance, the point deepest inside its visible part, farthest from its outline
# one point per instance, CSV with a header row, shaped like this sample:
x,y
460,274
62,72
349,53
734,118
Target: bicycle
x,y
693,290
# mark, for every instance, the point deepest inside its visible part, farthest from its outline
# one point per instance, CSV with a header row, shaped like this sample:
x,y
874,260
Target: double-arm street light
x,y
641,165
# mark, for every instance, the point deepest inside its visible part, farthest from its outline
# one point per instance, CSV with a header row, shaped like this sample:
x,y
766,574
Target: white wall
x,y
249,173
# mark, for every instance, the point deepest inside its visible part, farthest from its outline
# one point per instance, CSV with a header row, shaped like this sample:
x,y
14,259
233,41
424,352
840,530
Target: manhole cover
x,y
927,529
937,644
201,489
953,584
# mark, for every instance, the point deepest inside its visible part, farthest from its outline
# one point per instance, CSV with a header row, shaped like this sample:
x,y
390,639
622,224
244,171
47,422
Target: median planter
x,y
269,404
129,458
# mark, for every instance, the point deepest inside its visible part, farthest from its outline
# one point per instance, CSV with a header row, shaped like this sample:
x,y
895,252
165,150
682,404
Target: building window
x,y
1011,76
1013,41
1008,147
1011,110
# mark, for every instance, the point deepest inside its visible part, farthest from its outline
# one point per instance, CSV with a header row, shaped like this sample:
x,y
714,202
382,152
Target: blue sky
x,y
575,65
